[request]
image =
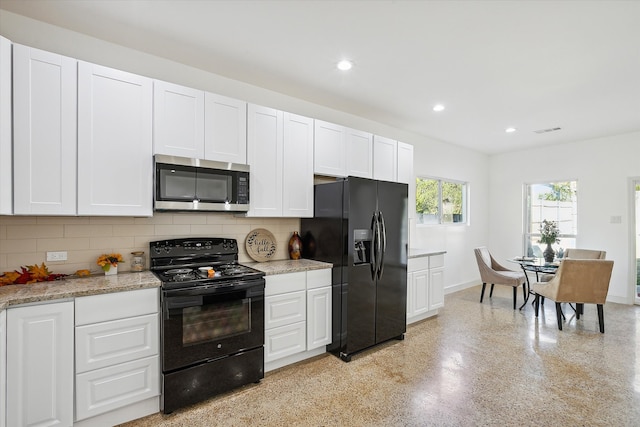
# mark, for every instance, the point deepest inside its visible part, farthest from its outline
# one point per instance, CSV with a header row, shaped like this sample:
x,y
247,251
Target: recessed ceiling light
x,y
438,107
345,65
510,130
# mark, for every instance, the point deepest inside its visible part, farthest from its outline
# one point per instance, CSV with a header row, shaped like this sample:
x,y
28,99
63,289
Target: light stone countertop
x,y
420,252
287,266
75,287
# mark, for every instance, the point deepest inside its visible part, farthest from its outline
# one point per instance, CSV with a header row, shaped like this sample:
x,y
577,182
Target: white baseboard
x,y
461,286
270,366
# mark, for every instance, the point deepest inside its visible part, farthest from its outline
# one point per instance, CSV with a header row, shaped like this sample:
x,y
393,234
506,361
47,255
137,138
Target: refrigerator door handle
x,y
374,254
383,249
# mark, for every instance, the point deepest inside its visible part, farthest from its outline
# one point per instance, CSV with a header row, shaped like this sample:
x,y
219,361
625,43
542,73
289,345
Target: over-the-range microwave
x,y
185,184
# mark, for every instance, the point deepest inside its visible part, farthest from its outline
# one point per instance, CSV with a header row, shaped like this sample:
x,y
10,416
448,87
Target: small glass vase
x,y
112,271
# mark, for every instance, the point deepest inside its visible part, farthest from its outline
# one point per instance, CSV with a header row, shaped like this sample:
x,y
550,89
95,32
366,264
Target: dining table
x,y
534,265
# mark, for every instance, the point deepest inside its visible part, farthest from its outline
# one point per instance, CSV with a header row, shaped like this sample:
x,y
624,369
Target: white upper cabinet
x,y
178,120
359,153
6,124
405,174
297,185
225,129
330,154
280,154
385,159
340,151
265,143
114,142
45,139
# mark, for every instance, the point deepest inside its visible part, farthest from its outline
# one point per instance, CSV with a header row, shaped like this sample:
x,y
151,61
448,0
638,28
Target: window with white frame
x,y
551,201
440,201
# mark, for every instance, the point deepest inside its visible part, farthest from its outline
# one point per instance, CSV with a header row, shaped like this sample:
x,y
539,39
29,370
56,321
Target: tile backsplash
x,y
25,240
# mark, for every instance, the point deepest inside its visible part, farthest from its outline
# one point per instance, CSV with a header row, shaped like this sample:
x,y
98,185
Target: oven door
x,y
205,323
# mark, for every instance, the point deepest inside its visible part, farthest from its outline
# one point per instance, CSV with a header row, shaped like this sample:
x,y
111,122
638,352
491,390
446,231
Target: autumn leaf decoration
x,y
29,274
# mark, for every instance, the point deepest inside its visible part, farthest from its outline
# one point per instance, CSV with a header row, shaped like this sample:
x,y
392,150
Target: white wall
x,y
440,160
432,158
602,168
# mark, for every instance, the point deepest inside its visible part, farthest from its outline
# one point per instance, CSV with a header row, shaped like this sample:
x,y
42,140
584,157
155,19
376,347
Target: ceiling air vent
x,y
547,130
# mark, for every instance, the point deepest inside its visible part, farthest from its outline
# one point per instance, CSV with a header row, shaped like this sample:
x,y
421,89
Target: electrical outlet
x,y
56,256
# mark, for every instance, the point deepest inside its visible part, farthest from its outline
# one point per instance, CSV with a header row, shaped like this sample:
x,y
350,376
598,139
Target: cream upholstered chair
x,y
575,254
579,281
492,272
584,254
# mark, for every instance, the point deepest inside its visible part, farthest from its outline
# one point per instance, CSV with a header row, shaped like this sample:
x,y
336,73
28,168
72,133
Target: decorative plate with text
x,y
261,245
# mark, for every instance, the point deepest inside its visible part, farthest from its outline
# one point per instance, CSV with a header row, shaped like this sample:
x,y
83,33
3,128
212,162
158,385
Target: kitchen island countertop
x,y
75,287
287,266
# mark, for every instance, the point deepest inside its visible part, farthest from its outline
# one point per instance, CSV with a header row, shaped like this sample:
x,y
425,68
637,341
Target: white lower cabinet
x,y
3,368
425,287
40,365
117,353
297,316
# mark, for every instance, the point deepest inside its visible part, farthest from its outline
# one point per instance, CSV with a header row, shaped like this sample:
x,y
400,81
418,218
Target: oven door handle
x,y
203,290
184,302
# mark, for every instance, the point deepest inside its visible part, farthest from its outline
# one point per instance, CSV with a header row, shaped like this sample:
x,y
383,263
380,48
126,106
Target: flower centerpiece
x,y
109,263
549,233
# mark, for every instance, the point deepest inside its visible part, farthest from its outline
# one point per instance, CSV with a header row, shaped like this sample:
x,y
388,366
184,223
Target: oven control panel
x,y
193,246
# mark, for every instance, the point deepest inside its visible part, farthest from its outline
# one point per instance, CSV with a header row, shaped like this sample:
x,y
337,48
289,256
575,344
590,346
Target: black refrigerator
x,y
360,226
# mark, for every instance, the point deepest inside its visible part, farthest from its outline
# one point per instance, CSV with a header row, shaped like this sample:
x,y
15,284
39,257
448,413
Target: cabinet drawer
x,y
284,341
285,309
420,263
318,278
104,390
117,305
109,343
281,283
436,261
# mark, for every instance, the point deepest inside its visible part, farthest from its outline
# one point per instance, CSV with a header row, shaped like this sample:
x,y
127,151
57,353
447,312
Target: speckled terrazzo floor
x,y
473,365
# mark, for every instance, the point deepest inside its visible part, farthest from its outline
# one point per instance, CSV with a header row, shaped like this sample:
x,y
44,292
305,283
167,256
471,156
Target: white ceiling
x,y
528,64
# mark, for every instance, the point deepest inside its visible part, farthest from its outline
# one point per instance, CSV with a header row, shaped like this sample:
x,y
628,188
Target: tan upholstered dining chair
x,y
584,254
492,272
579,281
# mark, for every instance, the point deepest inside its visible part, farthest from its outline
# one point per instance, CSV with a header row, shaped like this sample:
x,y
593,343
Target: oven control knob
x,y
219,345
167,249
157,249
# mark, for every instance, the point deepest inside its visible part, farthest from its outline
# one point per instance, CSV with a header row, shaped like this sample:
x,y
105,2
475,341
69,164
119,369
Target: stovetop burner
x,y
177,262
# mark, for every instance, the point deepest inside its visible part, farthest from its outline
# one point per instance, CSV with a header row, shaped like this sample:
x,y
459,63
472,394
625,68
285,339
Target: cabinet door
x,y
106,344
114,142
318,317
284,309
284,341
44,147
385,159
225,129
420,295
436,288
3,368
330,154
405,174
359,153
178,120
297,180
264,152
6,130
116,387
40,365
